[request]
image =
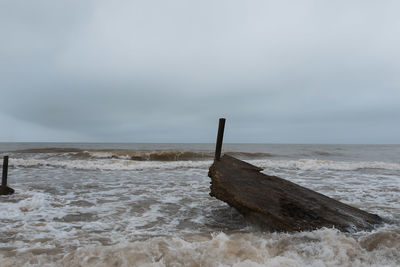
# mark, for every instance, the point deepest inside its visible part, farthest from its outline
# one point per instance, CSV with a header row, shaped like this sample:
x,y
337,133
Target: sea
x,y
89,204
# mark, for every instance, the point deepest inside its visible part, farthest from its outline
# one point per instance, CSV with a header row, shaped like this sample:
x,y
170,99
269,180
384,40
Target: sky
x,y
165,71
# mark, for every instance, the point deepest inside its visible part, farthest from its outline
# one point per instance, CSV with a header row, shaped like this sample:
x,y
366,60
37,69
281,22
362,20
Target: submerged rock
x,y
280,205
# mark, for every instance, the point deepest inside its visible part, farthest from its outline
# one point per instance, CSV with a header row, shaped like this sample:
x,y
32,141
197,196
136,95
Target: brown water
x,y
148,205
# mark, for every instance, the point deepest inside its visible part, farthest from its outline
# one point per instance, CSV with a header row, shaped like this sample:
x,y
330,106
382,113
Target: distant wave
x,y
319,154
325,153
156,155
48,150
147,155
249,155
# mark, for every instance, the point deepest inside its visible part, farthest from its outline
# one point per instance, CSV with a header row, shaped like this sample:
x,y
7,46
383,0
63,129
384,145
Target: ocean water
x,y
149,205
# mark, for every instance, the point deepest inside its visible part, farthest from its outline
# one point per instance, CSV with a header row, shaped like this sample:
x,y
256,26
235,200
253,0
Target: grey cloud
x,y
166,70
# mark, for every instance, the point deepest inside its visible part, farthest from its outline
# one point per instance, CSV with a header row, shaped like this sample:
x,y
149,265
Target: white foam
x,y
34,202
100,154
122,211
314,164
122,164
108,164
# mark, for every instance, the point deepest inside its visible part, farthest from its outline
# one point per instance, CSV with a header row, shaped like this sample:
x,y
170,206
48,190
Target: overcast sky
x,y
165,71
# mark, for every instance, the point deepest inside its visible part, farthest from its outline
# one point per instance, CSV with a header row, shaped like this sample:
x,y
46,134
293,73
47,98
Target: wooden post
x,y
4,189
220,137
5,172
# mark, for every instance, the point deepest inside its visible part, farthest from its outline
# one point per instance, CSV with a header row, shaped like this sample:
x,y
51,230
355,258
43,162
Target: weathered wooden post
x,y
220,137
4,189
5,172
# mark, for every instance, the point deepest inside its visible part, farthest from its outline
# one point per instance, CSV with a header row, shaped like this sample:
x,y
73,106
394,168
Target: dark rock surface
x,y
280,205
5,190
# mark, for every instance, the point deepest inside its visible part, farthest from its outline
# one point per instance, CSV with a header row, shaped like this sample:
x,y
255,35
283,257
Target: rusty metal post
x,y
220,137
5,172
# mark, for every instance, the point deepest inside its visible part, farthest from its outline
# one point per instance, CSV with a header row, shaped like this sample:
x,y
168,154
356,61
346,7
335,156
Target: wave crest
x,y
150,155
155,155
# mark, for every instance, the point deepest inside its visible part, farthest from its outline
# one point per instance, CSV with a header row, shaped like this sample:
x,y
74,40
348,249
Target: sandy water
x,y
148,205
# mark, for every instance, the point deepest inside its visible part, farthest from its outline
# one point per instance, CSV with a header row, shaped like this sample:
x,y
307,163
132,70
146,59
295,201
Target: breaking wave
x,y
314,164
107,164
325,247
173,155
112,163
147,155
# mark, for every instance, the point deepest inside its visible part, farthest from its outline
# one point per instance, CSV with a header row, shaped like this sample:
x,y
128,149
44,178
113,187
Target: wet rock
x,y
280,205
5,190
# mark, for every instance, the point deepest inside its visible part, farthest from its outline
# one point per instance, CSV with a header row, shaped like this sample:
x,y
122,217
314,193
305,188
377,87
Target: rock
x,y
279,205
5,190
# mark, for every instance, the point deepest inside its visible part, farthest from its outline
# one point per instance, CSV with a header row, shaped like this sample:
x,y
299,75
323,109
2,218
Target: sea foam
x,y
324,247
122,164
